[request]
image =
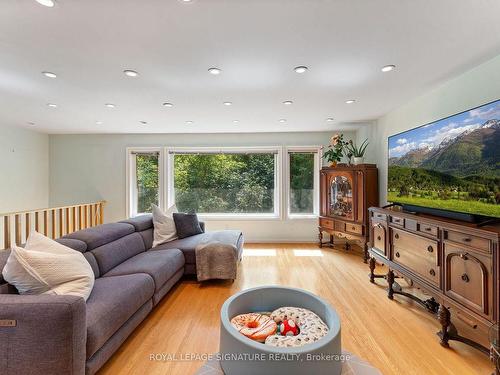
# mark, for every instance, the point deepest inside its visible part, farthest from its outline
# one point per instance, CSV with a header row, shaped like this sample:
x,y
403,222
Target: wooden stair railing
x,y
54,222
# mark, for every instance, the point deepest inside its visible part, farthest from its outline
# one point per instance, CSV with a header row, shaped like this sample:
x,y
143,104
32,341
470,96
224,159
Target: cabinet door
x,y
378,238
468,278
341,199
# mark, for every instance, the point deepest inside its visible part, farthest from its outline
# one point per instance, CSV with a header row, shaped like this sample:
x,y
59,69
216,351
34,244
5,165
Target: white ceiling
x,y
255,42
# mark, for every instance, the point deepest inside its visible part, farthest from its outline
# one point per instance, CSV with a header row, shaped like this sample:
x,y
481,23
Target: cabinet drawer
x,y
326,223
378,239
396,220
469,279
466,239
418,254
431,230
354,228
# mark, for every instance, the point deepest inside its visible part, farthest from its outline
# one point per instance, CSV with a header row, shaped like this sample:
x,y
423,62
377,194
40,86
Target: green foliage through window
x,y
147,174
224,183
301,183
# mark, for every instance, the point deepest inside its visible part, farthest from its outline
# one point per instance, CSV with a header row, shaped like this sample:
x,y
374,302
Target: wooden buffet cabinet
x,y
346,193
456,263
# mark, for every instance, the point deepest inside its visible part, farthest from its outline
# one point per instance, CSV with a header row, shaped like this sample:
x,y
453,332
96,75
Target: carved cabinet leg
x,y
331,240
320,237
390,281
372,268
445,321
365,253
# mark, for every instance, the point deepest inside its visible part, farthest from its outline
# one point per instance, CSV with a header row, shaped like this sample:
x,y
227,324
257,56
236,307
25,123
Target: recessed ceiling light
x,y
49,74
329,119
214,71
300,69
189,122
228,103
187,1
110,105
287,102
143,122
130,73
167,104
350,101
52,105
282,120
236,121
98,122
47,3
388,68
31,123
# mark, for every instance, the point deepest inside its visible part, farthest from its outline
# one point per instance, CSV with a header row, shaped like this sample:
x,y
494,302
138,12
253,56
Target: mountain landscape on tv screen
x,y
451,164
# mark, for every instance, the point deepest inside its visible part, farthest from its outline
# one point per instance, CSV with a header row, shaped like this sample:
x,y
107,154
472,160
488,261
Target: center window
x,y
225,182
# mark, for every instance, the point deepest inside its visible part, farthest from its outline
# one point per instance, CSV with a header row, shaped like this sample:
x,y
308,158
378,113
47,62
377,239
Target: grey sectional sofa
x,y
66,335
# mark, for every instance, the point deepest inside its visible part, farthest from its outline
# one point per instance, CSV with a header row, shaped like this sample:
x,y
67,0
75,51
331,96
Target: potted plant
x,y
335,150
358,153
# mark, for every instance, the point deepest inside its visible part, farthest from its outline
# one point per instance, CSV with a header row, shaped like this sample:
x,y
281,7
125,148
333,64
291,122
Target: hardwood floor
x,y
396,336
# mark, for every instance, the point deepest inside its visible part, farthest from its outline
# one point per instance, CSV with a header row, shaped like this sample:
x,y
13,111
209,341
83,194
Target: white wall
x,y
24,169
85,168
471,89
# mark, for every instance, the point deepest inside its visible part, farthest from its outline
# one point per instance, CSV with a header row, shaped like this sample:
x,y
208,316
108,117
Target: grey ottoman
x,y
242,356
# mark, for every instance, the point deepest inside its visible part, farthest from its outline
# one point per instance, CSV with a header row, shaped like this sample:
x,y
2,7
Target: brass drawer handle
x,y
379,238
465,278
428,229
432,272
396,236
353,228
467,239
464,256
397,255
430,249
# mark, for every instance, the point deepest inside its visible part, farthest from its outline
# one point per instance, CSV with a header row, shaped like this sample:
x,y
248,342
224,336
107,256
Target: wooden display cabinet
x,y
346,194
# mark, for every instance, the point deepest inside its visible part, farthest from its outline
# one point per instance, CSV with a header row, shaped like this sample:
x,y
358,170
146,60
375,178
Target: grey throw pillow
x,y
187,225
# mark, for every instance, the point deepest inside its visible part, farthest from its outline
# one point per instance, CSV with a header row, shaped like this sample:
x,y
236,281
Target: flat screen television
x,y
449,167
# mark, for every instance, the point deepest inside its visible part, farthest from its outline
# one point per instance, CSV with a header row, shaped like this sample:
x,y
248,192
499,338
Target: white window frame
x,y
278,150
131,176
318,155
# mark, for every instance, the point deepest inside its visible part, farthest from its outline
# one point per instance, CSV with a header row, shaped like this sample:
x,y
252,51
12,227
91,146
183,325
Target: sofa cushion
x,y
73,244
187,225
141,222
161,265
102,234
112,254
112,302
188,244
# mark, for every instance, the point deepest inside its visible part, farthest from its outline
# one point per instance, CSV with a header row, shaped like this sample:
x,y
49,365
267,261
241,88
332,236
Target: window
x,y
145,180
303,165
226,182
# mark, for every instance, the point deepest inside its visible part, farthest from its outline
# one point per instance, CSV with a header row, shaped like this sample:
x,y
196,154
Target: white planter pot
x,y
358,161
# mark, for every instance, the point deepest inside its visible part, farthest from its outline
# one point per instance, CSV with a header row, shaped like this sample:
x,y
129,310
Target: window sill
x,y
302,217
238,217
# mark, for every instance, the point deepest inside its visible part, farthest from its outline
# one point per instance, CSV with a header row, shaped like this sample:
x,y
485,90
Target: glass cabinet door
x,y
341,203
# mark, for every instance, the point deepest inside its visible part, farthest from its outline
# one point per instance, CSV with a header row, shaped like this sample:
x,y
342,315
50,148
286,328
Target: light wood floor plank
x,y
398,336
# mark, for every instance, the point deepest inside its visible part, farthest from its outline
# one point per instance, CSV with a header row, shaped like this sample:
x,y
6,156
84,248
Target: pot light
x,y
300,69
189,122
282,120
350,101
228,103
388,68
110,105
31,123
98,122
143,122
329,119
47,3
167,104
130,73
52,105
214,71
236,121
287,102
49,74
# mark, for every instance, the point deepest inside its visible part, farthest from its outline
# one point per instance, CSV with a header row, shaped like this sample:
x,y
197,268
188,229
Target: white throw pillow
x,y
45,266
164,225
